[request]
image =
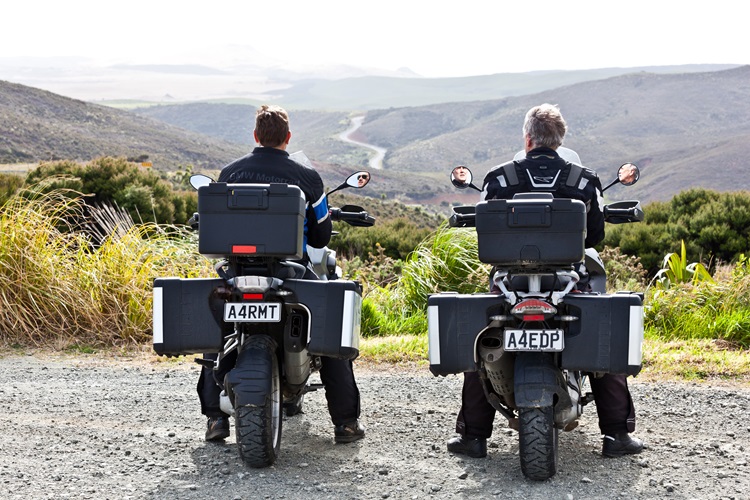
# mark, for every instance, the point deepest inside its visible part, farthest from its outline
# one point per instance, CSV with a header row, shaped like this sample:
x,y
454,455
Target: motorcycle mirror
x,y
627,175
357,180
462,178
200,180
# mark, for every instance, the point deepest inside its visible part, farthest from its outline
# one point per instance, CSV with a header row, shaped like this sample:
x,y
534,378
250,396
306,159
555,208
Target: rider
x,y
544,170
272,163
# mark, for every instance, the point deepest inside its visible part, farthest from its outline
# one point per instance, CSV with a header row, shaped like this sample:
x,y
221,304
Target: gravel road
x,y
83,427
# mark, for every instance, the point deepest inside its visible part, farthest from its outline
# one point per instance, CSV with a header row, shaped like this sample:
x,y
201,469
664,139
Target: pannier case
x,y
609,335
454,321
336,310
255,220
531,231
187,320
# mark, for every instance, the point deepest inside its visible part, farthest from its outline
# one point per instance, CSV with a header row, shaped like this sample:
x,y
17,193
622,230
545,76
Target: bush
x,y
396,237
714,226
624,272
9,185
146,196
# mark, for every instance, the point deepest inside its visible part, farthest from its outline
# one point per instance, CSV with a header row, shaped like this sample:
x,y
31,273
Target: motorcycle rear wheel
x,y
258,426
537,436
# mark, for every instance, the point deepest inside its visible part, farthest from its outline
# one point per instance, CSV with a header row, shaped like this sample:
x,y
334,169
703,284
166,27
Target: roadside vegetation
x,y
78,275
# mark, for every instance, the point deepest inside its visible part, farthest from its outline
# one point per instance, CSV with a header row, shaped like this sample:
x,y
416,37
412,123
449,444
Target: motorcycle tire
x,y
258,426
537,439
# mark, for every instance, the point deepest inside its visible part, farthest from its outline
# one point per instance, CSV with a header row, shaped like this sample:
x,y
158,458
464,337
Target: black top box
x,y
531,231
253,220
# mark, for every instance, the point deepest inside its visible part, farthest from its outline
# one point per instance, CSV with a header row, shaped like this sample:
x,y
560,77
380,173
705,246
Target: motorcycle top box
x,y
246,220
531,230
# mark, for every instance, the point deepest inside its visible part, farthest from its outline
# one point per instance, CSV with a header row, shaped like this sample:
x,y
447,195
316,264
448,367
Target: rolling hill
x,y
684,129
36,125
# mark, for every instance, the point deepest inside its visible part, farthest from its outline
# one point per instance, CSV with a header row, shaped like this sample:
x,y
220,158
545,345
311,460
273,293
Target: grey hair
x,y
545,125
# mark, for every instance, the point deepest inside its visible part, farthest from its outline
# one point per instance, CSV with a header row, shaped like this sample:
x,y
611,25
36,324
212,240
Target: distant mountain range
x,y
684,127
240,75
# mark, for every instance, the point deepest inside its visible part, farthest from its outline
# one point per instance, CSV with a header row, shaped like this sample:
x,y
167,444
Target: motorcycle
x,y
547,324
260,309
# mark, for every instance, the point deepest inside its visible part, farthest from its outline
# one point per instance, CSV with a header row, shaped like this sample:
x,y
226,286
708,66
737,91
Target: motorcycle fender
x,y
536,380
248,381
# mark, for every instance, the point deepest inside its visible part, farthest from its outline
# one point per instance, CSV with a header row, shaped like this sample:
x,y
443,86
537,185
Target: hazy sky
x,y
431,37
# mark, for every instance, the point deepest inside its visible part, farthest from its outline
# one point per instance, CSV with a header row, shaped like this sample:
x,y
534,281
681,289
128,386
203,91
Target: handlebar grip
x,y
353,218
619,212
622,215
462,220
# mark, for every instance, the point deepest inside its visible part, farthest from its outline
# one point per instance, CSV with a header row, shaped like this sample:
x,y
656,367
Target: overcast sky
x,y
431,37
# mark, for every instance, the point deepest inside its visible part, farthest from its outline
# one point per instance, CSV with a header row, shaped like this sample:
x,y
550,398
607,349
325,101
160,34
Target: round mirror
x,y
461,176
358,179
628,174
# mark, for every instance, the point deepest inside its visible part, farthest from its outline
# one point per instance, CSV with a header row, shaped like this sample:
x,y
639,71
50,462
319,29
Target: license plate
x,y
253,312
534,340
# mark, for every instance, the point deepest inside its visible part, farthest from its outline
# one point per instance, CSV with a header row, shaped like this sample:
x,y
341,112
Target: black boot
x,y
621,444
475,448
217,428
348,433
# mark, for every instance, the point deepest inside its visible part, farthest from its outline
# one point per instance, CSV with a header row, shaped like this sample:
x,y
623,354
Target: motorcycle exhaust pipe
x,y
297,367
498,364
566,417
225,404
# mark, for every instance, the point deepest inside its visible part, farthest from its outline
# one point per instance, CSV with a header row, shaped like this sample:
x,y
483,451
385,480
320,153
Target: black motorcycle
x,y
547,324
260,309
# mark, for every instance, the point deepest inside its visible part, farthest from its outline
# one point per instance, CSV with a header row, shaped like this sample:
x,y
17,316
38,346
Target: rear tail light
x,y
533,310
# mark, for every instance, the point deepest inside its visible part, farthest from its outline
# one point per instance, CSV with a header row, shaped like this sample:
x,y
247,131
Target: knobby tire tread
x,y
538,443
254,426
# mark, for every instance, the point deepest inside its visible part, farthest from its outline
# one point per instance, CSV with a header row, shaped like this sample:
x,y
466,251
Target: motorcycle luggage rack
x,y
569,277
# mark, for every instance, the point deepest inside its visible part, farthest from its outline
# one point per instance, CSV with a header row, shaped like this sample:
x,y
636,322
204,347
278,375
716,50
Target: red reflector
x,y
533,317
243,249
252,296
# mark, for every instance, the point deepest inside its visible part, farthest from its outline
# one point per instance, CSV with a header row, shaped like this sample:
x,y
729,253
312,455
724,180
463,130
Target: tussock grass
x,y
80,279
58,288
445,261
707,310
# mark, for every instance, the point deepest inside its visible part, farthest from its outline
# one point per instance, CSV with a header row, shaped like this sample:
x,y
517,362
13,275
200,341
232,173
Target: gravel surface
x,y
91,428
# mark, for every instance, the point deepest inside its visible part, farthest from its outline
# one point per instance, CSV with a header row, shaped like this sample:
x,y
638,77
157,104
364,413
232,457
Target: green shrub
x,y
142,192
9,185
714,226
624,272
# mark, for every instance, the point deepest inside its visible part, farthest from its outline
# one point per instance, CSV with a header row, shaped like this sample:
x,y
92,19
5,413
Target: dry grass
x,y
61,287
695,360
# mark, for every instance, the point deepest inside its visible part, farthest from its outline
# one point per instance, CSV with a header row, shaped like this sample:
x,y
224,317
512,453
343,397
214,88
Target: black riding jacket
x,y
544,171
270,165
